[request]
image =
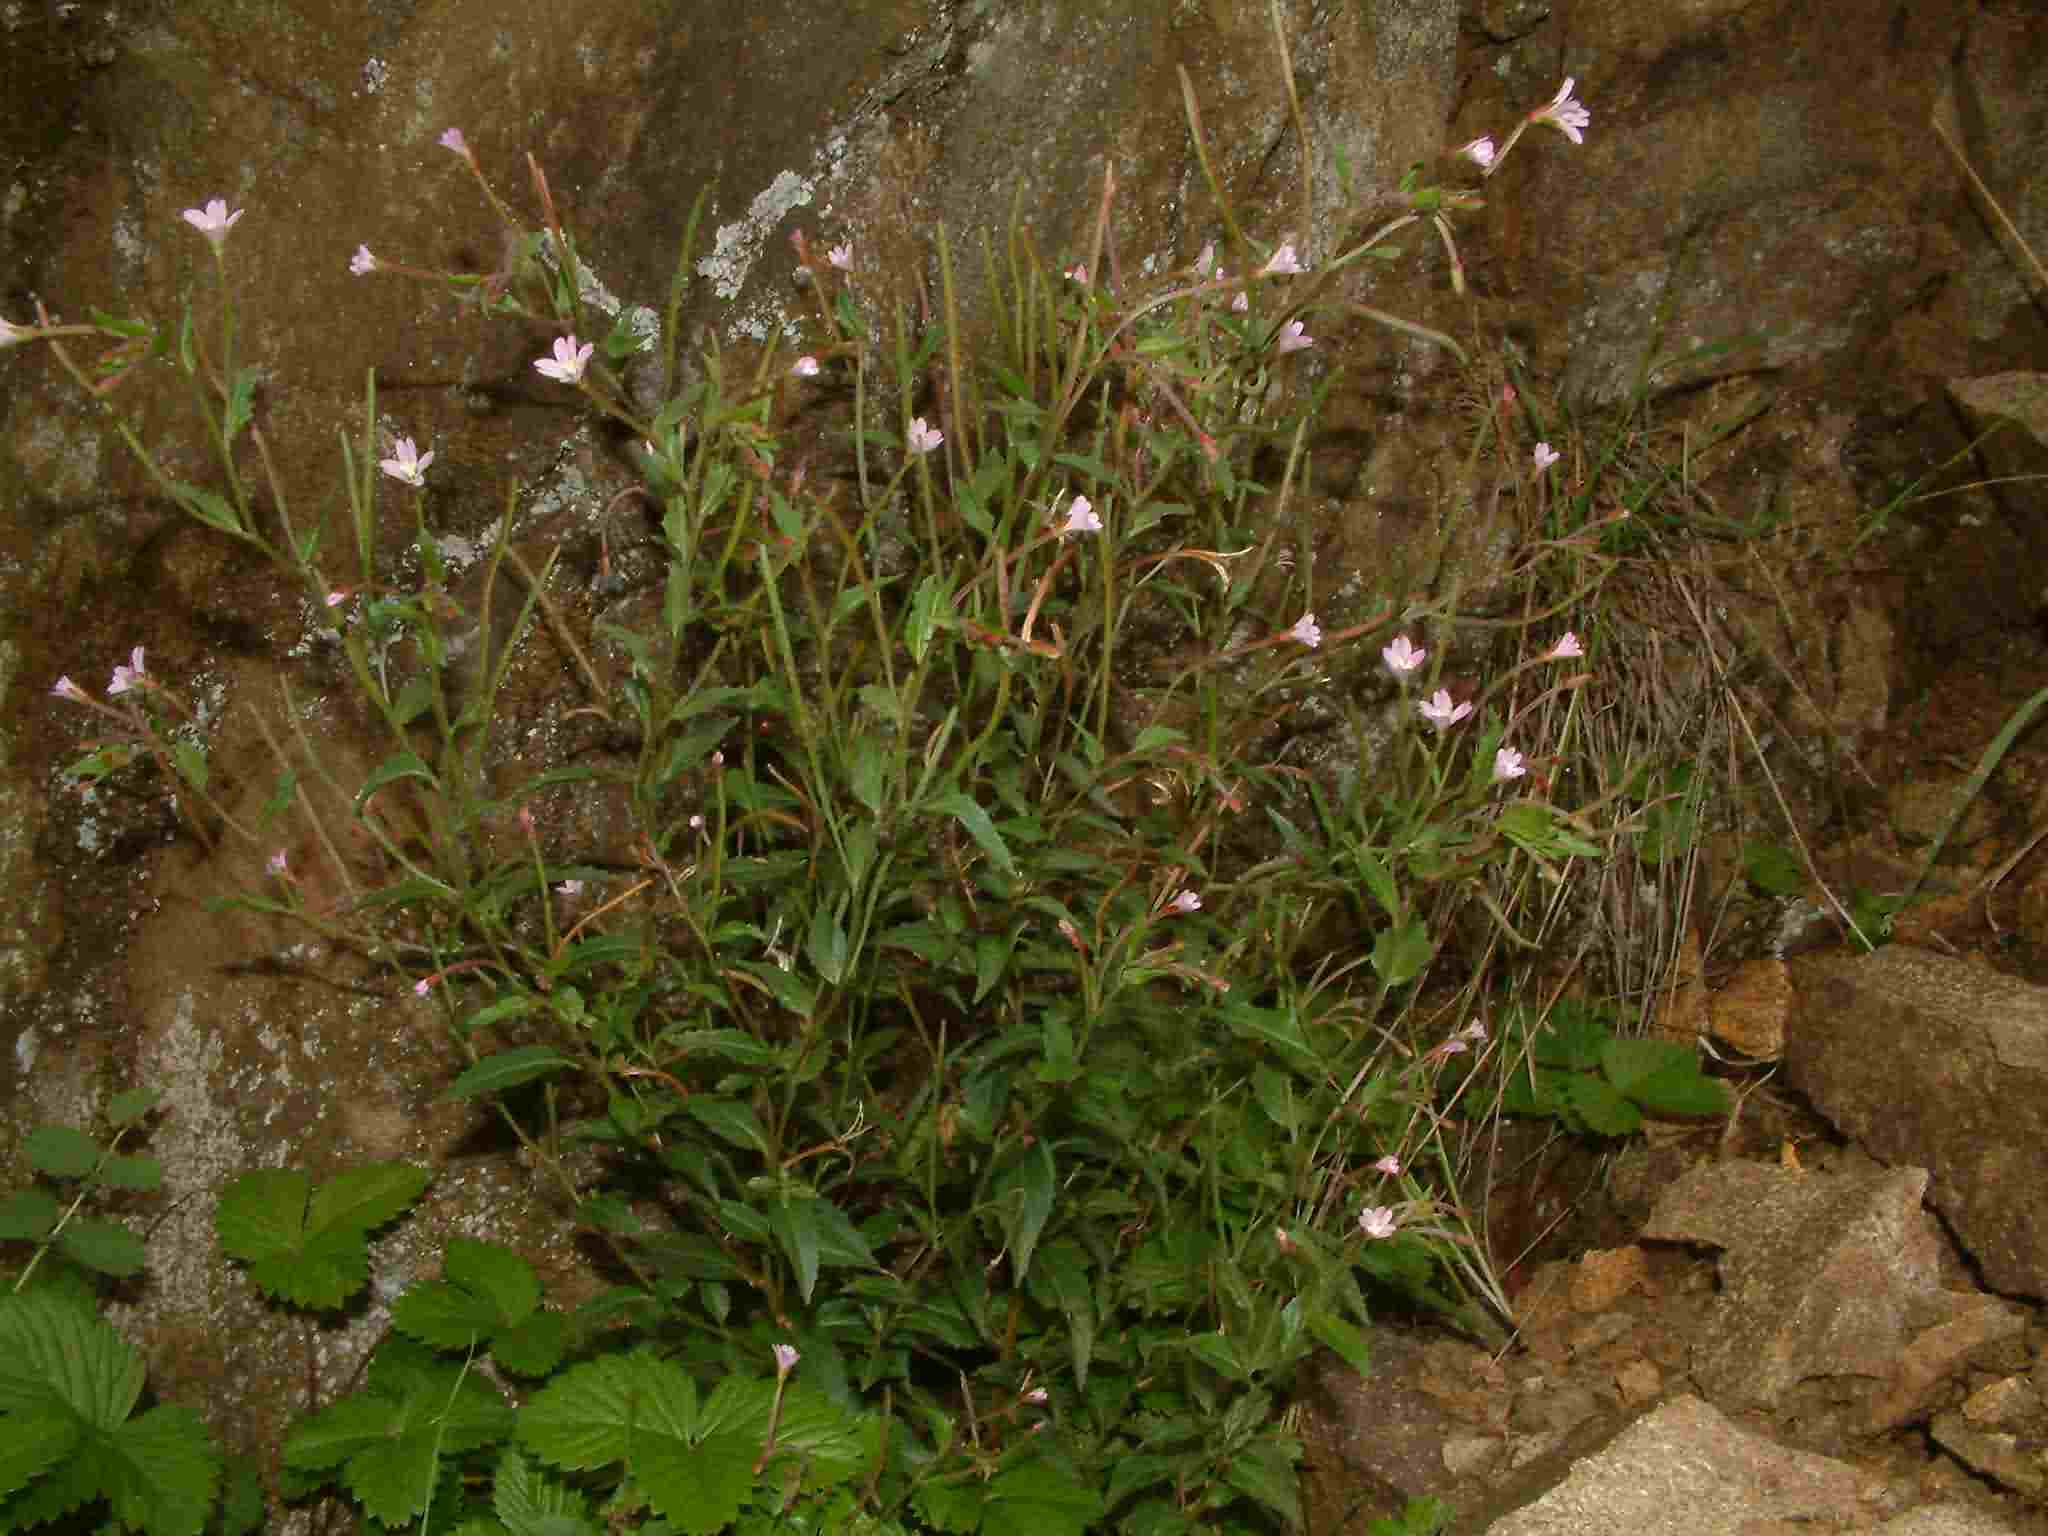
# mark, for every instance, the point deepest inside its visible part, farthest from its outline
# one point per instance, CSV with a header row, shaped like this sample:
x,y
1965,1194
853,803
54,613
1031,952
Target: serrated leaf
x,y
163,1469
105,1246
27,1215
592,1414
533,1347
61,1151
363,1199
1772,869
700,1487
964,810
309,1246
1265,1470
732,1122
55,1351
444,1316
31,1443
504,1070
1401,952
1663,1077
531,1502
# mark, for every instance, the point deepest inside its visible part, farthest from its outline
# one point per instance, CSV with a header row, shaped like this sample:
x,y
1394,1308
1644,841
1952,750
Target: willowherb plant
x,y
993,1018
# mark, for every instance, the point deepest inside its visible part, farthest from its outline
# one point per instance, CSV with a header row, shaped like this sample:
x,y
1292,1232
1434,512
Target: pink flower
x,y
1480,151
1403,656
14,335
1038,1397
1389,1165
1078,273
452,139
337,597
1081,517
569,361
1283,261
1307,631
363,263
409,465
1475,1032
1206,260
569,888
130,676
786,1357
1567,648
841,256
921,438
67,689
277,864
1377,1221
1185,902
805,367
1440,712
1242,303
1293,338
1567,116
1508,764
423,987
1545,456
213,221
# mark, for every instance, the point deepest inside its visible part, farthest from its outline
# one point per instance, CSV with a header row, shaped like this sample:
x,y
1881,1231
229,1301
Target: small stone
x,y
1748,1015
1604,1276
1638,1382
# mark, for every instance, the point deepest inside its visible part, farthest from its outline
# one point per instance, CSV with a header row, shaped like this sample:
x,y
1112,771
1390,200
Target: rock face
x,y
1936,1062
1826,1279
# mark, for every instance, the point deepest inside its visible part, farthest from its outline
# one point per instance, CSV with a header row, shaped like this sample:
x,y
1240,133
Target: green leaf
x,y
1772,869
127,1108
105,1246
1663,1077
505,1070
1401,953
32,1442
795,1225
827,947
163,1470
592,1414
533,1347
27,1216
531,1502
207,507
54,1353
401,765
142,1174
1265,1470
1024,1199
240,403
1038,1498
1343,1336
732,1122
61,1152
931,609
190,762
971,816
309,1246
1603,1111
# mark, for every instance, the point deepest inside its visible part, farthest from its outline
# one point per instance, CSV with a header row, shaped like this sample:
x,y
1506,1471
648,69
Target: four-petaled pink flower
x,y
1475,1032
805,367
1440,712
1293,338
569,361
1567,116
423,987
1282,261
1185,902
1078,273
1307,631
922,438
213,221
1480,151
12,335
1038,1397
337,597
1508,764
569,888
1390,1165
1403,656
277,865
130,676
786,1358
363,263
1242,303
1545,456
841,256
452,139
1081,517
409,465
1567,649
67,689
1377,1221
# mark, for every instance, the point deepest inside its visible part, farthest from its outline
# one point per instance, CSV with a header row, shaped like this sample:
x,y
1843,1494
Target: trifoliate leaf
x,y
591,1414
61,1152
697,1487
163,1470
309,1246
530,1502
